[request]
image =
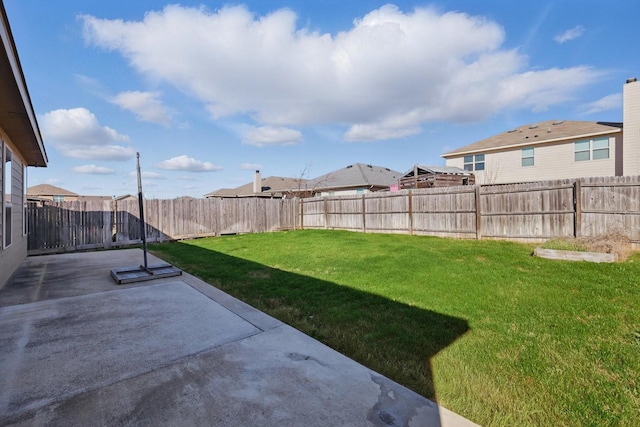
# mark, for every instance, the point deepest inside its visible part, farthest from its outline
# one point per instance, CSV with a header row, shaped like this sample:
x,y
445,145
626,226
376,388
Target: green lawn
x,y
486,329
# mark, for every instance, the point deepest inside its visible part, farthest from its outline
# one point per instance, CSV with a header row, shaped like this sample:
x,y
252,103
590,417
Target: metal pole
x,y
141,207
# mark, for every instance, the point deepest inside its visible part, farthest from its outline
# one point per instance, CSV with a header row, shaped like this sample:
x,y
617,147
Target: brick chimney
x,y
631,127
257,183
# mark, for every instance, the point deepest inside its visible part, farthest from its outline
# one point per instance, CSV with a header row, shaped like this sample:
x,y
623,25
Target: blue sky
x,y
209,91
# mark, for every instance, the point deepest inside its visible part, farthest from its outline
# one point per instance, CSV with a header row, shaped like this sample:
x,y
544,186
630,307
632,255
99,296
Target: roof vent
x,y
350,166
533,126
369,166
388,169
558,122
512,130
632,79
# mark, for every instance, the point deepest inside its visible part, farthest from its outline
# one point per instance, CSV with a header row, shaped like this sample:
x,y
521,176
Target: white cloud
x,y
77,133
188,164
250,166
390,68
605,103
271,135
145,105
93,170
570,34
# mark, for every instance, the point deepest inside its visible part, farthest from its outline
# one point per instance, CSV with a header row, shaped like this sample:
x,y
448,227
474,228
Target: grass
x,y
484,328
565,245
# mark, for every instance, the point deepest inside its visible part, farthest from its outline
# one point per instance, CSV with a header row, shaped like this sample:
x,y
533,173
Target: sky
x,y
210,91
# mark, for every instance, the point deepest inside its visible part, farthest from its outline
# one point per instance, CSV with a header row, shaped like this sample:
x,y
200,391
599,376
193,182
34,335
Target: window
x,y
474,162
25,204
58,199
527,156
593,149
8,206
600,148
582,151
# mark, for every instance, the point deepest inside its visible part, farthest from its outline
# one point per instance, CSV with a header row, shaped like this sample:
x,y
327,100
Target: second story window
x,y
474,162
592,149
527,156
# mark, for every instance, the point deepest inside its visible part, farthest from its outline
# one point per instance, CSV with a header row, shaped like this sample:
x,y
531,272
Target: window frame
x,y
526,157
590,149
474,162
25,203
7,205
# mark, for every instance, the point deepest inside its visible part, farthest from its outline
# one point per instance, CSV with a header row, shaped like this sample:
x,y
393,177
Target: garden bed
x,y
575,255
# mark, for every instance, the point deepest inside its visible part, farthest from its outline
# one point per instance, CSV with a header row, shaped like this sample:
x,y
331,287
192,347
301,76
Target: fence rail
x,y
526,212
71,226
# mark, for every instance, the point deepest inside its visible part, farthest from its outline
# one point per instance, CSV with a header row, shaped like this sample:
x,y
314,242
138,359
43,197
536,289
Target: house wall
x,y
12,255
64,198
349,192
631,117
551,161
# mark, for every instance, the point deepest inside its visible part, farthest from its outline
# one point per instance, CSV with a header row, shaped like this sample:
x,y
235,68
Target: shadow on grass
x,y
392,338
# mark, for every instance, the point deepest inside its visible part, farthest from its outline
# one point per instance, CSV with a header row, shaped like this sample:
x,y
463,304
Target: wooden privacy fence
x,y
526,212
70,226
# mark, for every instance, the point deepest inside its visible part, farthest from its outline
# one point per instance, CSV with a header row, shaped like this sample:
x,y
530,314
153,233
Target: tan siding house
x,y
51,193
558,149
20,146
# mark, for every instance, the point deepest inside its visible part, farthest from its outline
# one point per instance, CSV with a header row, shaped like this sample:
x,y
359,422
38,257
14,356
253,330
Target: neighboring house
x,y
52,193
20,146
125,197
558,149
357,178
270,187
47,192
435,176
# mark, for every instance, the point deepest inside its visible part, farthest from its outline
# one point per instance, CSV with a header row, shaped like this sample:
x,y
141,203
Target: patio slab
x,y
77,349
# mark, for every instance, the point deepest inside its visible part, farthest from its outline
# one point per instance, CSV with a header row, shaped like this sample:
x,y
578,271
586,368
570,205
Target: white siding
x,y
12,256
631,117
551,161
350,192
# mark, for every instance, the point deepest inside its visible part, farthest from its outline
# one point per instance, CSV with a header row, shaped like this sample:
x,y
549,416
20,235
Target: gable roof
x,y
48,190
356,175
272,184
538,133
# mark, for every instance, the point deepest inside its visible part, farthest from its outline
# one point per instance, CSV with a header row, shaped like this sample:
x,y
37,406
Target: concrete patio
x,y
77,349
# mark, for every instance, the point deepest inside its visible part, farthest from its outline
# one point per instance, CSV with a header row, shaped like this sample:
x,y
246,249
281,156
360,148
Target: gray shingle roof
x,y
276,184
538,133
356,175
48,190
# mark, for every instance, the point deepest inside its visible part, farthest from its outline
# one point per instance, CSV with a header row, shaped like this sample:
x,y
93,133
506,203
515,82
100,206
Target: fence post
x,y
410,208
107,231
301,214
478,214
326,213
577,208
364,215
